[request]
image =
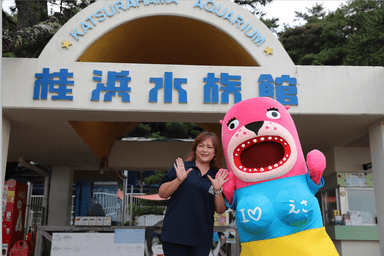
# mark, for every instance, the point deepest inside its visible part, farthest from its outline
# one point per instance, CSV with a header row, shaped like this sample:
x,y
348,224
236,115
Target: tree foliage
x,y
154,179
165,130
317,12
30,13
29,28
139,211
271,23
253,5
351,35
366,44
30,41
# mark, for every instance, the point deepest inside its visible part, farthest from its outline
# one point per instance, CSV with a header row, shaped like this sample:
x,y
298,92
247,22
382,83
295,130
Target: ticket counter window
x,y
348,202
363,200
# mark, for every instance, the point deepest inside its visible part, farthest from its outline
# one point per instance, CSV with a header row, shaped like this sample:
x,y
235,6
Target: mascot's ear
x,y
287,107
221,122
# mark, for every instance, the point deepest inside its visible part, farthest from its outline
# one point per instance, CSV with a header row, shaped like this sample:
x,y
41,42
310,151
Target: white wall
x,y
157,155
330,158
319,88
359,248
60,196
347,159
351,159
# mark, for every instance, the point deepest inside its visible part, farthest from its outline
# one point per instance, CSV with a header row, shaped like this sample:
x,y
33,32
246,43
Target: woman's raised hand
x,y
180,170
221,178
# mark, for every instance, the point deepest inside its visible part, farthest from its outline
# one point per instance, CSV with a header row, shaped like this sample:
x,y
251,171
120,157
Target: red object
x,y
331,199
14,205
23,248
154,197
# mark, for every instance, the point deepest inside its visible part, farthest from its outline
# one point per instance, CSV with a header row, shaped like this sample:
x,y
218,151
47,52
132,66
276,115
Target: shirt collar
x,y
211,169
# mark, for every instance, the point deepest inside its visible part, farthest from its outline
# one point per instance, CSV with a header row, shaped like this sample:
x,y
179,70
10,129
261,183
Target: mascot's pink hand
x,y
316,165
229,187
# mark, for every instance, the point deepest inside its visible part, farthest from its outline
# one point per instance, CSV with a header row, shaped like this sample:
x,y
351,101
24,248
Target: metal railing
x,y
145,220
110,202
35,213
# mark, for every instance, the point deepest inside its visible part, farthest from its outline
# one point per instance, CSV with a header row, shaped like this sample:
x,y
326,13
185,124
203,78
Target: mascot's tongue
x,y
262,155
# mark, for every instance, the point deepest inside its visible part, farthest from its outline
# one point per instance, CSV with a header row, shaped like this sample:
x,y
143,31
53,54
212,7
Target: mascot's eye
x,y
273,113
233,123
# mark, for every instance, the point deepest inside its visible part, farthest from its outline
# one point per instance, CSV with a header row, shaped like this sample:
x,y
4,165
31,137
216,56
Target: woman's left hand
x,y
221,178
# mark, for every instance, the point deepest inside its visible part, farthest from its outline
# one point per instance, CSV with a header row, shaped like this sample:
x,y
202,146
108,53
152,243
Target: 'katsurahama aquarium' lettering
x,y
118,7
112,9
211,6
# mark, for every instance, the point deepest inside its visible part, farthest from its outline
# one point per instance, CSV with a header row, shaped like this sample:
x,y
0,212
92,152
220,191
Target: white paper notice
x,y
95,244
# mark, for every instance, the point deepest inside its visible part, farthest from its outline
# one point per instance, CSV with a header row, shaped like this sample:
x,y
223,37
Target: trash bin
x,y
23,248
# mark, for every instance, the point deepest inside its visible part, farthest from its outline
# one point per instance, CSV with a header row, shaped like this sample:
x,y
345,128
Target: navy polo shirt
x,y
190,213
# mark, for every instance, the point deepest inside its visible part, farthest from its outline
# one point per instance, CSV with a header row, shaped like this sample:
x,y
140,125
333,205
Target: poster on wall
x,y
355,180
127,242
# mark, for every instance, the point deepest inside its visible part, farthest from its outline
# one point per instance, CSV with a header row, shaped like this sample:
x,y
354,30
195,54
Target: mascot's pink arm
x,y
316,165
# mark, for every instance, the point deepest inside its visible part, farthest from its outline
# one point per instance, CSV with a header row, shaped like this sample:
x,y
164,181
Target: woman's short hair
x,y
217,160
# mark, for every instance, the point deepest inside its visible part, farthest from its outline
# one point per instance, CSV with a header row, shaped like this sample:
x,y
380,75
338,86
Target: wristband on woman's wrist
x,y
219,192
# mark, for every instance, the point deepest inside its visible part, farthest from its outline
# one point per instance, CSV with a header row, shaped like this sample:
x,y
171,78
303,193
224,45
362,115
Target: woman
x,y
195,196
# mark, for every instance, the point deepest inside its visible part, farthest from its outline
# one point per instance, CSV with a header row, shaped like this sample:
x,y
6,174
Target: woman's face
x,y
205,151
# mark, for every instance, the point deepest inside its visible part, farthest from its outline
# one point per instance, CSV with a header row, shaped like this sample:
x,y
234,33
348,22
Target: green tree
x,y
176,130
29,28
317,12
366,44
165,130
253,5
352,35
151,180
149,206
9,21
30,41
272,24
30,13
140,130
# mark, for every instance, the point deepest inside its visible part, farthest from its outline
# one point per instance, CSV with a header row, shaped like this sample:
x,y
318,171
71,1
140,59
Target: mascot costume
x,y
269,183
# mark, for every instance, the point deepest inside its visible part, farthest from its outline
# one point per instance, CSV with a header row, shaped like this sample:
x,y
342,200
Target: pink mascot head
x,y
260,142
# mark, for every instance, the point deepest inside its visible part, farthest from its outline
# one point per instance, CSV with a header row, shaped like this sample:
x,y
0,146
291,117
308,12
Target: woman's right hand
x,y
180,170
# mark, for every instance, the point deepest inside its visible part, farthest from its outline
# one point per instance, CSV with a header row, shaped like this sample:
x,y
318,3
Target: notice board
x,y
127,242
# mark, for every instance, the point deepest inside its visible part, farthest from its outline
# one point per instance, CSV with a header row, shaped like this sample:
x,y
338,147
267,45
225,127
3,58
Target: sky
x,y
283,9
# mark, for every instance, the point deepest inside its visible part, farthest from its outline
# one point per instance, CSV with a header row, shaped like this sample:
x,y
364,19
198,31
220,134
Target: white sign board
x,y
127,242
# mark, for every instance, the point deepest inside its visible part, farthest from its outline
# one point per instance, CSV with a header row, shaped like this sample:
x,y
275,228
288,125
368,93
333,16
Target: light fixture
x,y
102,166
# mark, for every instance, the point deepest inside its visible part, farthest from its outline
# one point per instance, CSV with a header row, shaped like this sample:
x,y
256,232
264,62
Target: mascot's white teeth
x,y
260,140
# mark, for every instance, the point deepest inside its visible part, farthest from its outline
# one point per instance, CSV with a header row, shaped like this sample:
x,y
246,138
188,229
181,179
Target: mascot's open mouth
x,y
261,154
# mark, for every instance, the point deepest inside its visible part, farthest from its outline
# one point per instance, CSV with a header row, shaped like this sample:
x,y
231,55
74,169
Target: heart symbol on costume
x,y
254,213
